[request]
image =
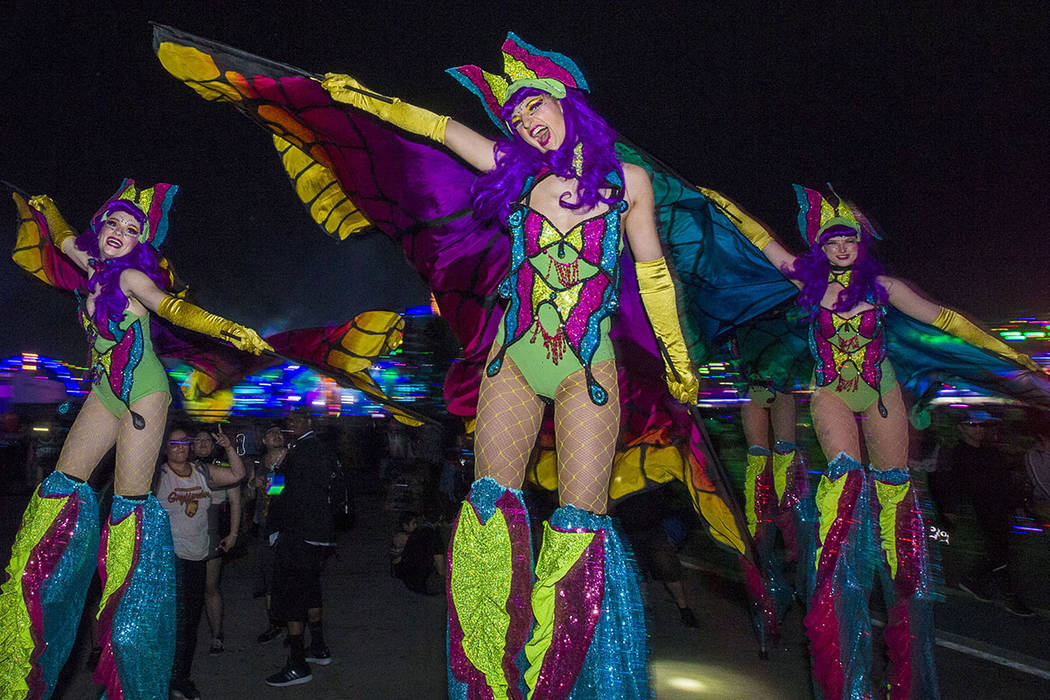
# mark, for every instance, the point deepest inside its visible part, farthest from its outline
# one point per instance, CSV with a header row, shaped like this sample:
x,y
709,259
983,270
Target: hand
x,y
684,386
228,542
221,439
336,85
248,340
42,203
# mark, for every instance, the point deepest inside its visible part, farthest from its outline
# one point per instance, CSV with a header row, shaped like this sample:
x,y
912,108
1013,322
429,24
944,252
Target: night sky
x,y
933,120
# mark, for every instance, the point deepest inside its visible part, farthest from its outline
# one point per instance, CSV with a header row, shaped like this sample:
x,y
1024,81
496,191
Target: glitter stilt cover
x,y
48,576
137,612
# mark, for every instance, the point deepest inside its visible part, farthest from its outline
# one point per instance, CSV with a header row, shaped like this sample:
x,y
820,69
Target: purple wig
x,y
812,269
496,191
111,300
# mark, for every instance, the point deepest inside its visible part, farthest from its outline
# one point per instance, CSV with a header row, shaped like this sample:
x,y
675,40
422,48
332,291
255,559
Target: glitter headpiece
x,y
154,203
524,66
816,214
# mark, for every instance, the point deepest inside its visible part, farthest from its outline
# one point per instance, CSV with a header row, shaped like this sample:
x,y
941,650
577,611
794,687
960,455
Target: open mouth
x,y
114,242
541,134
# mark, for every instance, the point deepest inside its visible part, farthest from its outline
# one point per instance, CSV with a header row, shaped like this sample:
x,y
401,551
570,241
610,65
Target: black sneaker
x,y
319,655
975,588
688,618
271,633
292,674
184,689
1012,603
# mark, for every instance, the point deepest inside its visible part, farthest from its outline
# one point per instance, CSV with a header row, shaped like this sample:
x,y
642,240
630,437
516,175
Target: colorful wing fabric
x,y
352,171
35,253
343,353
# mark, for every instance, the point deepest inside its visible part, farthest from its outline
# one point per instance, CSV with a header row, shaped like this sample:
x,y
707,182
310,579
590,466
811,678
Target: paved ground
x,y
388,643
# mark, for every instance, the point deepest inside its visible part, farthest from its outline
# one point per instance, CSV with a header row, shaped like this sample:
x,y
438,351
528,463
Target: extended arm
x,y
910,302
461,140
184,314
755,232
225,477
655,284
62,235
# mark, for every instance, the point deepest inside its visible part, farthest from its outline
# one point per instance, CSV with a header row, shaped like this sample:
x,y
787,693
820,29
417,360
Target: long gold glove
x,y
658,298
184,314
958,325
416,120
752,230
57,228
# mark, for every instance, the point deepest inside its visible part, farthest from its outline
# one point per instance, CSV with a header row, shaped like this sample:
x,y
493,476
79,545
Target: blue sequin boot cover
x,y
837,622
489,588
137,612
589,640
906,587
52,560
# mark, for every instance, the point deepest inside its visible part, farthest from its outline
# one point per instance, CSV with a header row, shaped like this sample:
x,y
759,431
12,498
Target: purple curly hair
x,y
496,191
812,269
111,300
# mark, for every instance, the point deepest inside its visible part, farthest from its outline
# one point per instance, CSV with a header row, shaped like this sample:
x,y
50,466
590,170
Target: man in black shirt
x,y
300,530
974,471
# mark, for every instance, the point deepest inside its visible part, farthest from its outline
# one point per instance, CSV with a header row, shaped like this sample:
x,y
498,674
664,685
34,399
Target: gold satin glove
x,y
958,325
752,230
658,298
57,228
184,314
402,115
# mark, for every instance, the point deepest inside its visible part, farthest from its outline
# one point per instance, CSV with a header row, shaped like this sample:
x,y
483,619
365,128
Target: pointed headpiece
x,y
154,203
523,66
817,213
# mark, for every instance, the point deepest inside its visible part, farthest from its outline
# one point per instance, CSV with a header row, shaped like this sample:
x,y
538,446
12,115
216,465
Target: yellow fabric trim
x,y
781,465
196,69
16,640
756,464
560,551
479,584
120,552
828,494
317,187
890,496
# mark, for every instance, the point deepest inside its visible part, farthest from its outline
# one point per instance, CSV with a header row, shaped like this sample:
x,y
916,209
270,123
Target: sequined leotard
x,y
850,354
123,364
562,290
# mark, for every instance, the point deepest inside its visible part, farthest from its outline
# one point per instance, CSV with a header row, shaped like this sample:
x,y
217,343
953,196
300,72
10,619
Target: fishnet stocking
x,y
887,438
509,415
137,450
835,425
93,434
585,438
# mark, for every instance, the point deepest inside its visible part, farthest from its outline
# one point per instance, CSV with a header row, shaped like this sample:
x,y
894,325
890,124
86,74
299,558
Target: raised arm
x,y
907,300
62,235
225,477
755,232
461,140
655,285
138,286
